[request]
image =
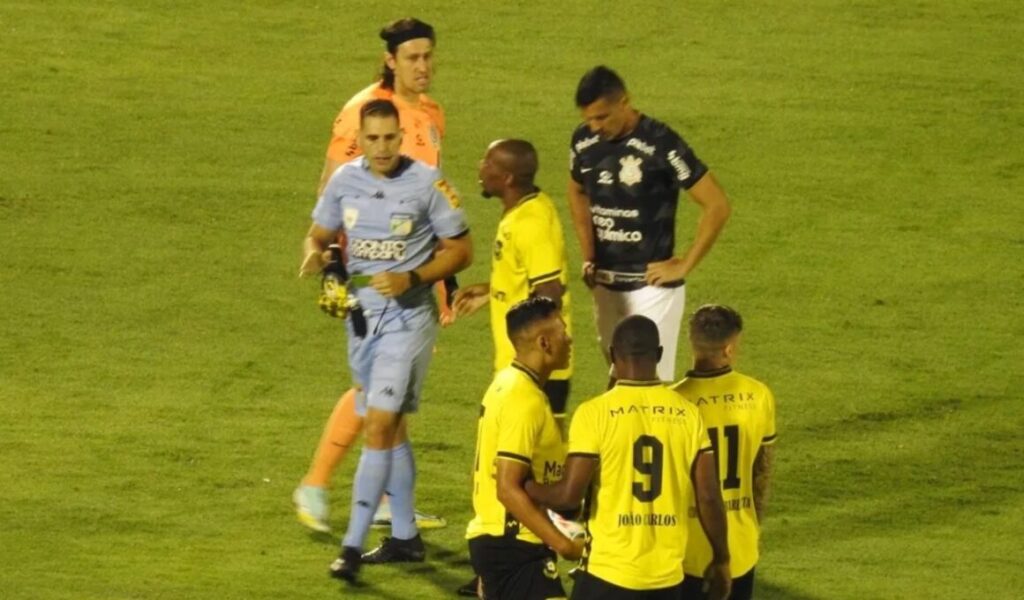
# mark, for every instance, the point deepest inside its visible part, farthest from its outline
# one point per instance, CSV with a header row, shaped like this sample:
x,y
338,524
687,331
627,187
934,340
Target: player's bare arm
x,y
567,493
764,465
579,206
715,211
471,298
455,255
550,289
511,476
711,513
314,249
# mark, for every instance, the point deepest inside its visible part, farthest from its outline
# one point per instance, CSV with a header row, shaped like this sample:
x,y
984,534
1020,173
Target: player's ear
x,y
730,350
661,350
544,343
389,60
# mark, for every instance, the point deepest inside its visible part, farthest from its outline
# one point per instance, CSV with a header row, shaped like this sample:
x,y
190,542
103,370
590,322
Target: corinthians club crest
x,y
630,173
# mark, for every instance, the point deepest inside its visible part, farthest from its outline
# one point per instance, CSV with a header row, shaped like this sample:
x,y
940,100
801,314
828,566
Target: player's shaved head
x,y
635,337
516,157
713,327
599,82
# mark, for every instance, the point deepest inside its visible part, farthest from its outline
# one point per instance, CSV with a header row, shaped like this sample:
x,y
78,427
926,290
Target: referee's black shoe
x,y
346,566
393,550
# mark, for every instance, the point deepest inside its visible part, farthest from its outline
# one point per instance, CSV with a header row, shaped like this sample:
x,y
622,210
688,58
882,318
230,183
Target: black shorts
x,y
742,587
512,569
557,391
589,587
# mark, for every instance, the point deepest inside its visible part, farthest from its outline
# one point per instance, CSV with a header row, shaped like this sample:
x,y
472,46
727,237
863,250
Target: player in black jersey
x,y
626,172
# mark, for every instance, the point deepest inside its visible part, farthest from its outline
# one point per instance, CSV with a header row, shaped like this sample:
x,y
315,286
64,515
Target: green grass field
x,y
164,375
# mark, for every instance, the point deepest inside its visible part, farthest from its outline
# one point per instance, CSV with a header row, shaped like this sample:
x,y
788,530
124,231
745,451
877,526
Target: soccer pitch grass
x,y
164,376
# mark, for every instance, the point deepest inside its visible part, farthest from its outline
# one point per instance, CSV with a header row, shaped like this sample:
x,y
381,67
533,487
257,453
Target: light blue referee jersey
x,y
391,224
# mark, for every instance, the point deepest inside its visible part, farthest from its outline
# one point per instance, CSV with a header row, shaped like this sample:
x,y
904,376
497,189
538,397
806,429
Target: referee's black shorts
x,y
512,569
589,587
742,587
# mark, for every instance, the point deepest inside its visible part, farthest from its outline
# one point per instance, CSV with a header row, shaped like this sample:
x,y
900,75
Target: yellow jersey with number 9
x,y
646,439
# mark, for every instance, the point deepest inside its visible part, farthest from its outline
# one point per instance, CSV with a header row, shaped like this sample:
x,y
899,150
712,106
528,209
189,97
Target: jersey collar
x,y
708,374
404,162
529,372
637,383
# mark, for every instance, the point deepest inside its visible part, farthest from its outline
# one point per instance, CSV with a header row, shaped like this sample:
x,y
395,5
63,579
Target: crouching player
x,y
512,543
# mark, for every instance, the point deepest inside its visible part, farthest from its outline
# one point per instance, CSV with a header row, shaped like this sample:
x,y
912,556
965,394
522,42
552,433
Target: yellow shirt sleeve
x,y
519,427
539,249
584,437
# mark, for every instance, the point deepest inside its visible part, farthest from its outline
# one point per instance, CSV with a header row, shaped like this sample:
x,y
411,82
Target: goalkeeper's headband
x,y
417,29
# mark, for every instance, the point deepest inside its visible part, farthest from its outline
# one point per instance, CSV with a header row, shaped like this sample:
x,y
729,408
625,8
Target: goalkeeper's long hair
x,y
397,33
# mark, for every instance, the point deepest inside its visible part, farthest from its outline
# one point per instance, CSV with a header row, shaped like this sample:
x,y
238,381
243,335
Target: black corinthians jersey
x,y
633,183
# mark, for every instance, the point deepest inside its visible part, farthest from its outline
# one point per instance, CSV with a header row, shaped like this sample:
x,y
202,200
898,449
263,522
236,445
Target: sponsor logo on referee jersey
x,y
378,249
682,169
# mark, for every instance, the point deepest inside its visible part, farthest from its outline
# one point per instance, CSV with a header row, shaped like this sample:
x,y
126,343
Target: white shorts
x,y
662,305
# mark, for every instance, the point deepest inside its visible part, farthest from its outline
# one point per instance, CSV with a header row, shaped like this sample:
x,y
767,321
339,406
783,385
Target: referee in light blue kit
x,y
393,210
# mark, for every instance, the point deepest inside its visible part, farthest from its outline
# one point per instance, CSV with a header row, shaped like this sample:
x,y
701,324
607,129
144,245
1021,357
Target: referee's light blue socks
x,y
400,489
371,477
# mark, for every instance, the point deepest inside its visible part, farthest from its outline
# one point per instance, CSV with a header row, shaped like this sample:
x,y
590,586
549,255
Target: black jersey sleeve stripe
x,y
511,456
584,455
768,439
545,277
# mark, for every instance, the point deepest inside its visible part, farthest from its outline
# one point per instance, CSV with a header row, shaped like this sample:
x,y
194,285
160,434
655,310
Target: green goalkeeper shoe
x,y
311,507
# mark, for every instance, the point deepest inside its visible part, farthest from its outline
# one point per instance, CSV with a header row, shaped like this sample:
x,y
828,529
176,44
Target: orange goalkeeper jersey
x,y
422,126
